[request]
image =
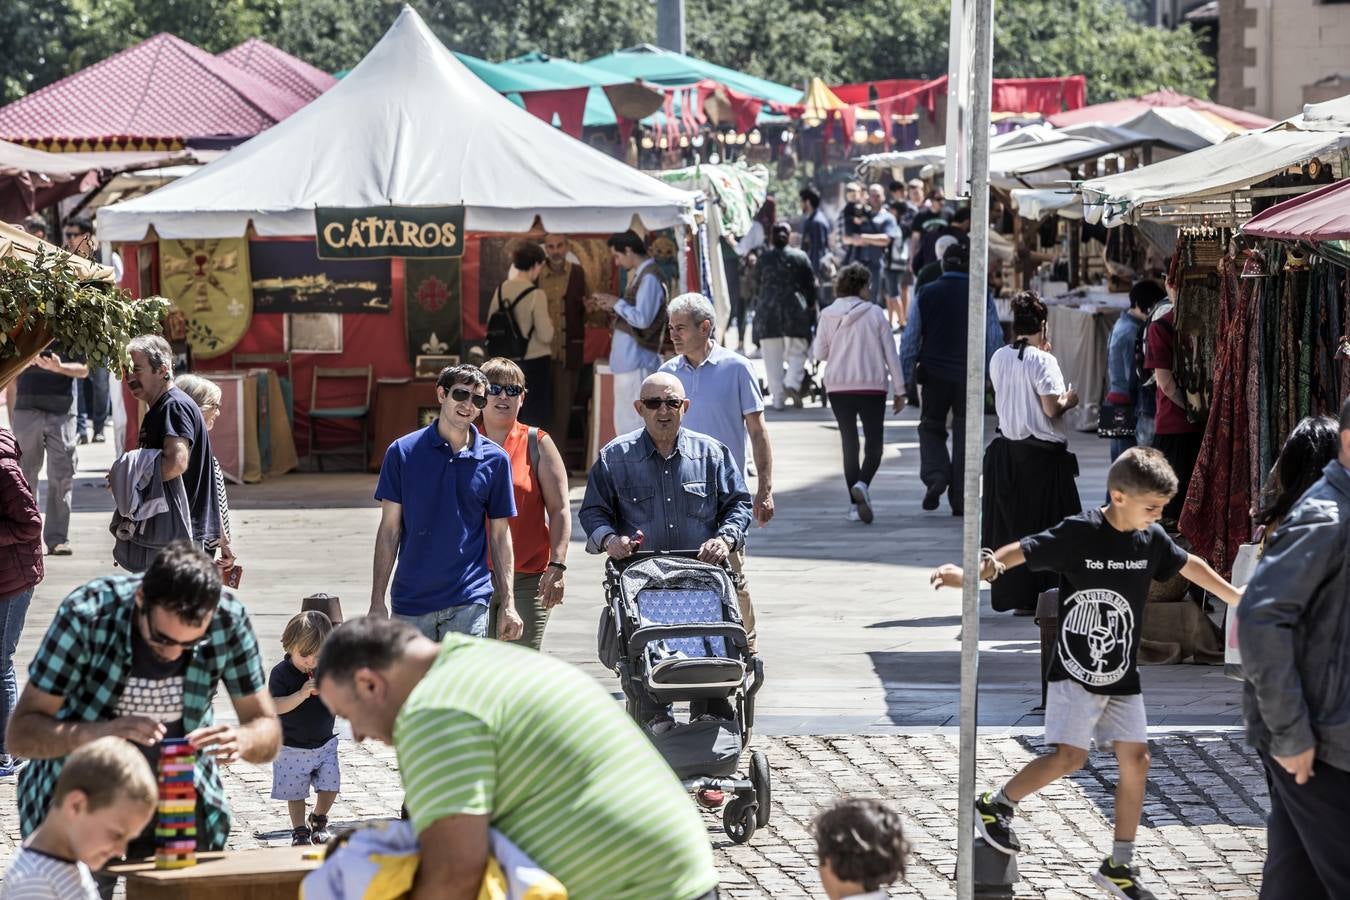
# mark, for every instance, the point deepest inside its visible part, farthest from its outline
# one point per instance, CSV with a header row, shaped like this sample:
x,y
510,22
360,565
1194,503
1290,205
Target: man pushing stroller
x,y
665,488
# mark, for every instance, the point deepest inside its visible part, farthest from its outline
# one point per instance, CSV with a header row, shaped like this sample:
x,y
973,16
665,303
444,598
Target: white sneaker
x,y
862,500
853,513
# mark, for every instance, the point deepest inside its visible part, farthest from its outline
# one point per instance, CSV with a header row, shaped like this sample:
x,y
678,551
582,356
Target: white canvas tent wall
x,y
409,126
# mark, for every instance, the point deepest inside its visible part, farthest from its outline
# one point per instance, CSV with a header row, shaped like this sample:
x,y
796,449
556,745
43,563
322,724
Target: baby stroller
x,y
672,632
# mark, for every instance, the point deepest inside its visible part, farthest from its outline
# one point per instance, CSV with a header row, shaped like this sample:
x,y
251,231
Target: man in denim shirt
x,y
666,488
1122,376
678,489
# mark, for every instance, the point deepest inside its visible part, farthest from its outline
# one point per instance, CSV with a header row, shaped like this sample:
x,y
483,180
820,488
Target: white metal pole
x,y
981,88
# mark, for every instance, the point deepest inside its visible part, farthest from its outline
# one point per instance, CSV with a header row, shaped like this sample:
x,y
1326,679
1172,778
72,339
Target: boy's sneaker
x,y
1121,882
300,836
11,765
862,500
318,827
993,822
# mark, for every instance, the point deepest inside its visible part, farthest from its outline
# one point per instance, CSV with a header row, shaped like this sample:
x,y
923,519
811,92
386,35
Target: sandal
x,y
300,836
318,826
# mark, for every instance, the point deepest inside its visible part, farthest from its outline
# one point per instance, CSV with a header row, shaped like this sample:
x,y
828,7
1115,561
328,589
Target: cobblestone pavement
x,y
1202,836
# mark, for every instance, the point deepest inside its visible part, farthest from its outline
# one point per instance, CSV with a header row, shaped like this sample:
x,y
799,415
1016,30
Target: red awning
x,y
1321,215
162,88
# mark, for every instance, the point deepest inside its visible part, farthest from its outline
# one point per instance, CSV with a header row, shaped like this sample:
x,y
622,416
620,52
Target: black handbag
x,y
1116,421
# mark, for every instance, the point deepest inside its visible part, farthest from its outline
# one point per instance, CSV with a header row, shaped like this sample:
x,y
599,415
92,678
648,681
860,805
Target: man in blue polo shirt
x,y
445,494
725,403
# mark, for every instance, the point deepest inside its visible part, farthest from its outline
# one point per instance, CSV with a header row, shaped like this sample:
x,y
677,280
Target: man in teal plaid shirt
x,y
139,657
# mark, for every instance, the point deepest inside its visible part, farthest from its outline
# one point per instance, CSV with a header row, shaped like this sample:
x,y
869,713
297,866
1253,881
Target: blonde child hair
x,y
305,633
107,770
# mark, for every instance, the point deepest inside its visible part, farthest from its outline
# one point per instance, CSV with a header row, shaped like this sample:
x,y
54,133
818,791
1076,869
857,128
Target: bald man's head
x,y
662,407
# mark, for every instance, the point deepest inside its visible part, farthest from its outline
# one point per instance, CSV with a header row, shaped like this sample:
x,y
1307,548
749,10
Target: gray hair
x,y
697,307
155,349
203,391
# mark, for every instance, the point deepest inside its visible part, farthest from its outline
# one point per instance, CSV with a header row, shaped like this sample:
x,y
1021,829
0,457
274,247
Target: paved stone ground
x,y
855,644
1202,834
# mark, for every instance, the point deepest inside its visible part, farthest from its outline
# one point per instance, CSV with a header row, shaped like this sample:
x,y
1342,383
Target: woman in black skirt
x,y
1028,469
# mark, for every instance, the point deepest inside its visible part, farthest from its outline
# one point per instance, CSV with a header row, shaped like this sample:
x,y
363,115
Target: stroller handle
x,y
638,556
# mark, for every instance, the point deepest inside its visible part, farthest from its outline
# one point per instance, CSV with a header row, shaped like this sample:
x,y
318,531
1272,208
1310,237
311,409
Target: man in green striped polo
x,y
489,734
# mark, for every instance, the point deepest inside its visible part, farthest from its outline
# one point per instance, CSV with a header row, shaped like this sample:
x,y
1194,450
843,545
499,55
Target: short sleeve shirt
x,y
1161,353
1021,377
446,498
1104,581
34,875
308,726
91,633
722,391
544,751
176,415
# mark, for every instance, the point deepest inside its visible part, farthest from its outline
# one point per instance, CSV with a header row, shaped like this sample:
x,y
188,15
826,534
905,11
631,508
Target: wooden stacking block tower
x,y
176,821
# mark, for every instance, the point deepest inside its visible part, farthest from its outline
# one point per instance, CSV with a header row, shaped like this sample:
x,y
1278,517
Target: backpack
x,y
504,337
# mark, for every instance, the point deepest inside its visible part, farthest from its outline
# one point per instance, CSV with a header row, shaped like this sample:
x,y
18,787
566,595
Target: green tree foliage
x,y
784,40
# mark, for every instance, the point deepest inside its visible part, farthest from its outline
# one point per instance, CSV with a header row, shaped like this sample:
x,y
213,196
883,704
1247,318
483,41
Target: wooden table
x,y
273,873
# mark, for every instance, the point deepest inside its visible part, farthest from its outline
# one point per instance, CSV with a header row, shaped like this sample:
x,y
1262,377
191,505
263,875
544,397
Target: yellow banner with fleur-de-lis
x,y
209,281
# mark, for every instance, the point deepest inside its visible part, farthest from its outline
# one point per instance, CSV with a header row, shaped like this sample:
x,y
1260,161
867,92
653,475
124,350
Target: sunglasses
x,y
459,395
510,390
158,637
655,403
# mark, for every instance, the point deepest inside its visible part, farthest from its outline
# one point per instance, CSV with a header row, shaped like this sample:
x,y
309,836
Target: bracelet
x,y
559,566
987,556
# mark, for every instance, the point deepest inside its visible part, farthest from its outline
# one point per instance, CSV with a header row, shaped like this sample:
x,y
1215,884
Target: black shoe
x,y
933,496
993,822
300,836
84,438
1121,882
318,827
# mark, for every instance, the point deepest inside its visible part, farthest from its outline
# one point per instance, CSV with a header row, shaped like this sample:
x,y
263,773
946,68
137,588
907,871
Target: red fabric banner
x,y
568,104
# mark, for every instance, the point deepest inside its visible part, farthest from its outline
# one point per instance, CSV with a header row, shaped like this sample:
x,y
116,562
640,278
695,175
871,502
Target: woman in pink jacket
x,y
854,338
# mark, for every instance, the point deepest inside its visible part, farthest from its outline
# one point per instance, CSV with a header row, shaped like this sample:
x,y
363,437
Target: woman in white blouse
x,y
1028,469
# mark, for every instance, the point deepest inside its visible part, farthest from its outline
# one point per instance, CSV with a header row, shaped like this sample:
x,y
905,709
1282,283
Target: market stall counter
x,y
1080,324
402,405
272,873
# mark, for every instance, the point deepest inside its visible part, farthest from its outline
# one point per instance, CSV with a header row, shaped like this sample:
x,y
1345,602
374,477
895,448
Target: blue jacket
x,y
936,332
677,503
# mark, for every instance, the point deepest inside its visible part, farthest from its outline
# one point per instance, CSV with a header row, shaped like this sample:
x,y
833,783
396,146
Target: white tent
x,y
409,126
1037,156
1207,181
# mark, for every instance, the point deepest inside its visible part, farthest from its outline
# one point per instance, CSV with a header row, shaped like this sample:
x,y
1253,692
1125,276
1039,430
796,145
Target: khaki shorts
x,y
1076,717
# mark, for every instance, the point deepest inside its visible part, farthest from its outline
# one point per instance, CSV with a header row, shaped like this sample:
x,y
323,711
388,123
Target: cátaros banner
x,y
380,232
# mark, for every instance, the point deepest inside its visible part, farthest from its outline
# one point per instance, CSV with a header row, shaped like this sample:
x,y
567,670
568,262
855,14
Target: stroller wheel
x,y
739,820
759,777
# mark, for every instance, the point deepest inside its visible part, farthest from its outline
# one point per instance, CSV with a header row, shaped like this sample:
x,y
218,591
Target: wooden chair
x,y
359,413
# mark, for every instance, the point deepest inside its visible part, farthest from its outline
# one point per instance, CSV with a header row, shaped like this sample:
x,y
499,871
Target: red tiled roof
x,y
280,68
163,88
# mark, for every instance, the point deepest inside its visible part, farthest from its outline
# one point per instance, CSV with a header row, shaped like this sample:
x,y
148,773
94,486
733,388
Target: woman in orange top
x,y
542,527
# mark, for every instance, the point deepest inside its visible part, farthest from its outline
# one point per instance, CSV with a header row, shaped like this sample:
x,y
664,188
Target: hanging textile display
x,y
1216,518
1280,323
208,280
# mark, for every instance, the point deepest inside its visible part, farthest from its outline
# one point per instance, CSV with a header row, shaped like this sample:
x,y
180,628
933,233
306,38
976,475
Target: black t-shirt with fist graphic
x,y
1104,581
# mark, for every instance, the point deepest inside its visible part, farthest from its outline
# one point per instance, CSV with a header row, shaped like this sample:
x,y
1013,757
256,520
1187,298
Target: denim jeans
x,y
470,619
95,401
13,610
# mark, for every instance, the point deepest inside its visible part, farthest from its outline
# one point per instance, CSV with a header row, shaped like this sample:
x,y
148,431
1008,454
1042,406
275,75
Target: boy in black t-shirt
x,y
309,747
1106,559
